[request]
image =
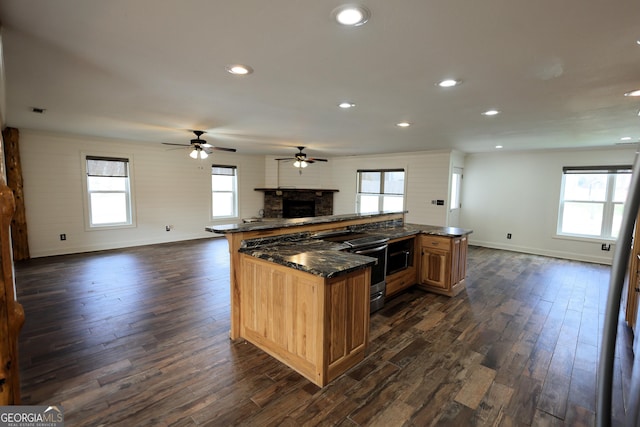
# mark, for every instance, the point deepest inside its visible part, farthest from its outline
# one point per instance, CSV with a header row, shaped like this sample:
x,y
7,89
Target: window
x,y
108,192
456,184
224,193
592,200
380,190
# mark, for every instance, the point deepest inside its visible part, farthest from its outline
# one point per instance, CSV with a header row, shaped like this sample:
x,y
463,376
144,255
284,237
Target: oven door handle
x,y
368,251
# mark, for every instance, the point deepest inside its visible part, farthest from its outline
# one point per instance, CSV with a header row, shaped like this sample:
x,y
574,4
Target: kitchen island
x,y
306,301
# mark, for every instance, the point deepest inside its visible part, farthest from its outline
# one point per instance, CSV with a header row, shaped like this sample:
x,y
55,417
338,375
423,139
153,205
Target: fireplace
x,y
292,208
297,202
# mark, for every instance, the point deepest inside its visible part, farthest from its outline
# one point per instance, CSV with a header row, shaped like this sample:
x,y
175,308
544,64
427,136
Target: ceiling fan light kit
x,y
199,147
198,151
300,160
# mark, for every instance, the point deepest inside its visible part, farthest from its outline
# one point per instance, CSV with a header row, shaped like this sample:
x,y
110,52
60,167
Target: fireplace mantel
x,y
304,190
297,202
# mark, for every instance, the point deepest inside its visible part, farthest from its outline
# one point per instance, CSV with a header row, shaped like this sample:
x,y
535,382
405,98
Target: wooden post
x,y
19,233
11,312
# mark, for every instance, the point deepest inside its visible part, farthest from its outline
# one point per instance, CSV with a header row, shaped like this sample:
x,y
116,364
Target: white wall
x,y
502,193
427,179
279,174
170,188
519,193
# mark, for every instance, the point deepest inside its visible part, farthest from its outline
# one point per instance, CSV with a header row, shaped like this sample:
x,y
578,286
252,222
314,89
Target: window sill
x,y
109,227
585,239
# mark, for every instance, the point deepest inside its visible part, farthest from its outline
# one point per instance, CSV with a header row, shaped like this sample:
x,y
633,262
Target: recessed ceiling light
x,y
491,113
498,146
633,93
449,83
351,15
346,105
239,69
403,124
625,138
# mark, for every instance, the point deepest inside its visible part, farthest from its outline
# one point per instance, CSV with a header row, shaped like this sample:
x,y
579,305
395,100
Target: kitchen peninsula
x,y
305,301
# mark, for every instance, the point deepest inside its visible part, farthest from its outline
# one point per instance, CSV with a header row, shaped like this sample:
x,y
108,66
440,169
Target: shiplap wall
x,y
284,174
426,179
519,193
502,193
169,188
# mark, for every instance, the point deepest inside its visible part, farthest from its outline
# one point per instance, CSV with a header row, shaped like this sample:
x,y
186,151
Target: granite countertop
x,y
320,258
440,231
395,232
327,259
274,223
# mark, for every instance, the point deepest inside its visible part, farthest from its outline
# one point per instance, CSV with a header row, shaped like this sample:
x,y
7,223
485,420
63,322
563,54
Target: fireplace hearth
x,y
297,202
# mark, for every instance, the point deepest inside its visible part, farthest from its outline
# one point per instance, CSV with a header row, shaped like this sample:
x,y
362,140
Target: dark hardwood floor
x,y
139,337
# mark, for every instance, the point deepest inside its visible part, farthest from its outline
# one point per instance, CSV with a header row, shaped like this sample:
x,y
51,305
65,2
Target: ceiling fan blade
x,y
315,159
286,158
233,150
181,145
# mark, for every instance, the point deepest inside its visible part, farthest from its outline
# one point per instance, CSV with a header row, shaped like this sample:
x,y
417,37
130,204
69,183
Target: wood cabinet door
x,y
458,259
633,282
435,266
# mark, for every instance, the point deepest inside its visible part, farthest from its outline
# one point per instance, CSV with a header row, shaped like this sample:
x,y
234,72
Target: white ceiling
x,y
150,70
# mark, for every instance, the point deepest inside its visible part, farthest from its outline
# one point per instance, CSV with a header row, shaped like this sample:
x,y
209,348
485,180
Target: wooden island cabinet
x,y
317,326
306,301
443,262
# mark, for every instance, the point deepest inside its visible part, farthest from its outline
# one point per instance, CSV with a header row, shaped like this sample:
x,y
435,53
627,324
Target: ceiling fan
x,y
200,147
300,159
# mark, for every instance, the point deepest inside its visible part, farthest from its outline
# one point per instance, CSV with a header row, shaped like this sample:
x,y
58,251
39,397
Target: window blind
x,y
223,170
107,166
597,169
380,170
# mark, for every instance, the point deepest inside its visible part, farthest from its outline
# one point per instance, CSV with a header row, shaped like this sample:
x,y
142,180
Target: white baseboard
x,y
545,252
68,250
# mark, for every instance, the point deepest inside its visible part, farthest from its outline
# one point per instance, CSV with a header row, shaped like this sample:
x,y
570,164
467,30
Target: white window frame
x,y
612,172
130,221
234,193
382,192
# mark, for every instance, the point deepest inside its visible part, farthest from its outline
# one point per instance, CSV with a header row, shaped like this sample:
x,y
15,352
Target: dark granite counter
x,y
317,257
277,223
440,231
399,231
326,259
298,250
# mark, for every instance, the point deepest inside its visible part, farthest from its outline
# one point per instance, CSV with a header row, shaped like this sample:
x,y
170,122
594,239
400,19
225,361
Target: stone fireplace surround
x,y
297,202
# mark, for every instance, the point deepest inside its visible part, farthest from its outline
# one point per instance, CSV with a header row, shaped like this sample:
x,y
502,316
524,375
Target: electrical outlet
x,y
168,227
63,237
508,235
606,247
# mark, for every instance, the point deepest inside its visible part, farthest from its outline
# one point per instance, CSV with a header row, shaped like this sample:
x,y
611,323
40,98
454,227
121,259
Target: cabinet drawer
x,y
436,242
401,280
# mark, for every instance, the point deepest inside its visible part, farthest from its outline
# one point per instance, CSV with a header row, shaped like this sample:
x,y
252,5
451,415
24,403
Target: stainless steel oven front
x,y
368,245
377,250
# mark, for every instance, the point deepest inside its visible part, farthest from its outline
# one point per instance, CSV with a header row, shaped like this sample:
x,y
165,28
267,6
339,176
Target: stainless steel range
x,y
368,245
